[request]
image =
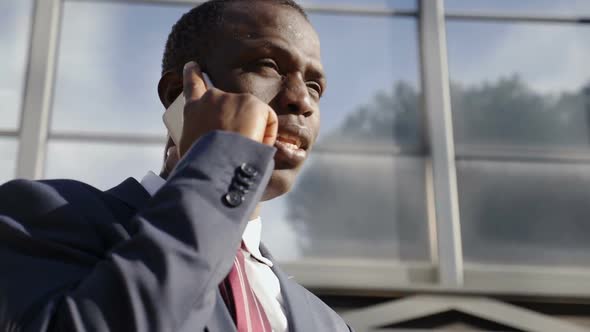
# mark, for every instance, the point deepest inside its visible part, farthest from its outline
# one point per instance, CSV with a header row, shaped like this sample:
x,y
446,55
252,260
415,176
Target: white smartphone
x,y
174,115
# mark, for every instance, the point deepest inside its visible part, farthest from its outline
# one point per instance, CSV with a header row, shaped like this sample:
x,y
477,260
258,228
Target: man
x,y
160,255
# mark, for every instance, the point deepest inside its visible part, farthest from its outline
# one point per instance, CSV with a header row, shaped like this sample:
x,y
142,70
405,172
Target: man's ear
x,y
169,87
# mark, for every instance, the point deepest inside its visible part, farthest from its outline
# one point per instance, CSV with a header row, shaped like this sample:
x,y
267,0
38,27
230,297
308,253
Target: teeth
x,y
291,146
292,142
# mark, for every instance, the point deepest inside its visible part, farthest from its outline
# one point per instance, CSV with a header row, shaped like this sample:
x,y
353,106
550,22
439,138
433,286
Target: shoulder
x,y
52,209
323,315
27,198
329,317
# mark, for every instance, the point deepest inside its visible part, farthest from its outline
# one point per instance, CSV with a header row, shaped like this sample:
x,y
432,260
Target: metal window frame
x,y
437,104
310,8
362,148
362,277
516,18
8,133
38,88
450,275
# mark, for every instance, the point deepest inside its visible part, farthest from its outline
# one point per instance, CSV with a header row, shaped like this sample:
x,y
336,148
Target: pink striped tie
x,y
239,297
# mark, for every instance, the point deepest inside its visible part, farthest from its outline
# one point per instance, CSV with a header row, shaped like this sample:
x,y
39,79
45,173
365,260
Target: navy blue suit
x,y
75,258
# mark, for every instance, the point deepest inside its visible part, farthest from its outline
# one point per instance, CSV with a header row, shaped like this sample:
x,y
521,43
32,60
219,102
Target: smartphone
x,y
174,115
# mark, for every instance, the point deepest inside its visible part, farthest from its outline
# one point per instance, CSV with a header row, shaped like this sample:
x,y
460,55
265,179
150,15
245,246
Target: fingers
x,y
193,83
272,128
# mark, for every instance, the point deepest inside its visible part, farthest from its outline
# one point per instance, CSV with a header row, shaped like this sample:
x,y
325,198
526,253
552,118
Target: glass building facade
x,y
454,155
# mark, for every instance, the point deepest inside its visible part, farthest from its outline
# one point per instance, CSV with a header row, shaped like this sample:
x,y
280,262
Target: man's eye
x,y
315,87
268,63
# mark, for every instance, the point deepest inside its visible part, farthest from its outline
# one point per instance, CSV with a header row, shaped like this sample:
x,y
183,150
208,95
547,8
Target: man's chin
x,y
281,182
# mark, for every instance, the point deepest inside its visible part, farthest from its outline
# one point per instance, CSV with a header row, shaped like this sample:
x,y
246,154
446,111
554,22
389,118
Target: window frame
x,y
447,273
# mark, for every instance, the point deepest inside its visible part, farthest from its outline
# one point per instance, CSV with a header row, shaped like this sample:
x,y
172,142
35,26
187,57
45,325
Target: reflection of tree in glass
x,y
389,117
350,205
348,209
522,212
507,112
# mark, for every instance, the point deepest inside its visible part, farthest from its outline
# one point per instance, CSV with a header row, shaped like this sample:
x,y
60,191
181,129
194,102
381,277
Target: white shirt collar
x,y
252,234
251,238
152,183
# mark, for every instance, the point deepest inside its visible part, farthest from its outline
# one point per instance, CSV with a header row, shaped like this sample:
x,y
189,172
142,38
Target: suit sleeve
x,y
180,247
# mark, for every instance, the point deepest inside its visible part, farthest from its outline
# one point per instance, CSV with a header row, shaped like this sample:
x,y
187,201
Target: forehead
x,y
248,20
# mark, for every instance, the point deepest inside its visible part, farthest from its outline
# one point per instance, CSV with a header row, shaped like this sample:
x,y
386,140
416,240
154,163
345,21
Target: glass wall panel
x,y
109,65
373,80
546,7
373,99
102,165
373,83
525,213
8,151
15,28
525,85
120,67
357,205
352,206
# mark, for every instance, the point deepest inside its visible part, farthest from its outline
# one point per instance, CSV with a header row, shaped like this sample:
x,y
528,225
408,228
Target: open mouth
x,y
289,141
292,144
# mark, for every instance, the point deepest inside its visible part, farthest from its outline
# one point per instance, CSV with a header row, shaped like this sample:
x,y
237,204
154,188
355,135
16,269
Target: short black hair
x,y
188,35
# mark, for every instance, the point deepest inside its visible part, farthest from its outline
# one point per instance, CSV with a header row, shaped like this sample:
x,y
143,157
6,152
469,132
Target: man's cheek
x,y
264,88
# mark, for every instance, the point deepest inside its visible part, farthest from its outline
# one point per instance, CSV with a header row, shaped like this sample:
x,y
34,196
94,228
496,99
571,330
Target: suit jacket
x,y
75,258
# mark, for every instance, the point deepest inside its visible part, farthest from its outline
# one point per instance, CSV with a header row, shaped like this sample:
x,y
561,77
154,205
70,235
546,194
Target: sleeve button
x,y
233,198
242,180
248,171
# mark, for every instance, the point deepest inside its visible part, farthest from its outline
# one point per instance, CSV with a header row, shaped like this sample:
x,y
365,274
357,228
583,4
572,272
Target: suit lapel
x,y
131,192
299,313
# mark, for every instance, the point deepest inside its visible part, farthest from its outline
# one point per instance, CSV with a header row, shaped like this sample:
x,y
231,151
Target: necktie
x,y
239,297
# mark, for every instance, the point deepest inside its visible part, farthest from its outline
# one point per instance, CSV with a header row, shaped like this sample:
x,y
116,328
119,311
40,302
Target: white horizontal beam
x,y
310,8
8,133
369,148
354,277
524,154
516,18
108,138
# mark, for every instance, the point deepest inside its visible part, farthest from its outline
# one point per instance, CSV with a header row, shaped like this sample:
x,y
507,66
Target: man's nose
x,y
294,97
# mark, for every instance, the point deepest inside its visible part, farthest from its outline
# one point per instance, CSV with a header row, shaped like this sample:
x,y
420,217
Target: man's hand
x,y
211,109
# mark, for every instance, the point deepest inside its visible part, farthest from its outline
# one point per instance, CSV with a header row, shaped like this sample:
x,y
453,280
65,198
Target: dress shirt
x,y
262,279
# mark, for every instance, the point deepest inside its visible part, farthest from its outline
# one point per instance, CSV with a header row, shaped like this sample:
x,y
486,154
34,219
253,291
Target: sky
x,y
109,65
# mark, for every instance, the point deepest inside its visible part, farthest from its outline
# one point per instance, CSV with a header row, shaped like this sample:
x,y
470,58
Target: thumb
x,y
193,83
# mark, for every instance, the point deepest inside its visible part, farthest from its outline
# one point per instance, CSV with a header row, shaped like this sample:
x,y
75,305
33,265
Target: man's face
x,y
273,52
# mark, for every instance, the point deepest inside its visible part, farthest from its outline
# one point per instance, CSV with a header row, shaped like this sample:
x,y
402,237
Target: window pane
x,y
8,151
372,70
548,7
102,165
352,206
109,67
394,4
120,95
525,213
520,84
15,22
